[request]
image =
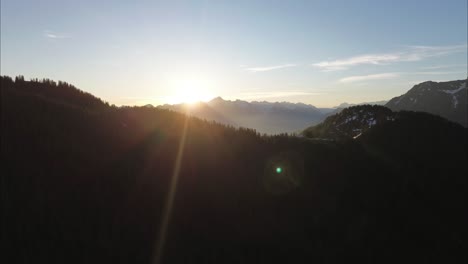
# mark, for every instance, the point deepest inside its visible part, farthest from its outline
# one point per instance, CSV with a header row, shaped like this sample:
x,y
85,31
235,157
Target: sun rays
x,y
167,210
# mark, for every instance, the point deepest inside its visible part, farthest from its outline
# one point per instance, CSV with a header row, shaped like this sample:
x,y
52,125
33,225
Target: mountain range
x,y
265,117
446,99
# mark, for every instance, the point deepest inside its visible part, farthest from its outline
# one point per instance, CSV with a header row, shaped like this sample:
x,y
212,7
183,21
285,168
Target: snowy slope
x,y
446,99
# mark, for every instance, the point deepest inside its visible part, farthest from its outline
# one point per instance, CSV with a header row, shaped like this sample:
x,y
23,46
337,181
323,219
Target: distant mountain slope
x,y
345,104
265,117
446,99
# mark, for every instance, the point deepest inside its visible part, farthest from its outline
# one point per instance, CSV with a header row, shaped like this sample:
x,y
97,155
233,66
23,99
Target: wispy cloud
x,y
437,72
360,78
411,53
52,35
343,64
270,68
445,66
392,75
274,94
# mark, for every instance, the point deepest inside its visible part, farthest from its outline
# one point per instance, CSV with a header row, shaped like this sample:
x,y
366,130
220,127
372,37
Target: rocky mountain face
x,y
364,120
265,117
446,99
351,122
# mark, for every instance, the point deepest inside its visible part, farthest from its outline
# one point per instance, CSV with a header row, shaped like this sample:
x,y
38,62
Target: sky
x,y
316,52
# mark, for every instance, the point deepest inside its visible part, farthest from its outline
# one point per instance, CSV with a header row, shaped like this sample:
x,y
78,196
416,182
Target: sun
x,y
190,91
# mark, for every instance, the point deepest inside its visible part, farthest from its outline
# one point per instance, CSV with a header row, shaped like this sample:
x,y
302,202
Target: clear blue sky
x,y
317,52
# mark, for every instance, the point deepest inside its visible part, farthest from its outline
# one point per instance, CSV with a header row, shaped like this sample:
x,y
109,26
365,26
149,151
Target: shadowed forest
x,y
86,182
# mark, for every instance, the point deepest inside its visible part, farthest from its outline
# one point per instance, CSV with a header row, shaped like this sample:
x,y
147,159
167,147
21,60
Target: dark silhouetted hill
x,y
85,182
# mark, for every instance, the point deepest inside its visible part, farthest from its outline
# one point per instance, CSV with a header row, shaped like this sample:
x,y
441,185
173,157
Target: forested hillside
x,y
86,182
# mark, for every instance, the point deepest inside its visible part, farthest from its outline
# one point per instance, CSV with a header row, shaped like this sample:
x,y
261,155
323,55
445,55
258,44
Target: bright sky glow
x,y
189,90
319,52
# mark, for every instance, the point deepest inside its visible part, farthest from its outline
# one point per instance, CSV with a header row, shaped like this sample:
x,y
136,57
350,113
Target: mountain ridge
x,y
265,117
356,121
446,99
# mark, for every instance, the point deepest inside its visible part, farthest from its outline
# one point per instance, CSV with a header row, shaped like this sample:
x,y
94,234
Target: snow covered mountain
x,y
446,99
265,117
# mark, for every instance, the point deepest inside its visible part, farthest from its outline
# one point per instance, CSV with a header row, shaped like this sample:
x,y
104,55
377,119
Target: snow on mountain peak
x,y
454,92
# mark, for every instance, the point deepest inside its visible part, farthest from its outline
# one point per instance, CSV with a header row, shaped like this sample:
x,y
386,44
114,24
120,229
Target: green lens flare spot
x,y
279,170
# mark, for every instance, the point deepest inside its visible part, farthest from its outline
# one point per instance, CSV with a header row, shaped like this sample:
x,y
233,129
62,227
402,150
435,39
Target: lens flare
x,y
283,172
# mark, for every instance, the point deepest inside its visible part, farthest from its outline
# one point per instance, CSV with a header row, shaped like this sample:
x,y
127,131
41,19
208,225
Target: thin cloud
x,y
52,35
437,72
358,60
411,53
444,66
360,78
392,75
270,68
421,52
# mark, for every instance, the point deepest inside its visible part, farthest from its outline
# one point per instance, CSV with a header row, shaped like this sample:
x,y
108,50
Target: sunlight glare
x,y
190,91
